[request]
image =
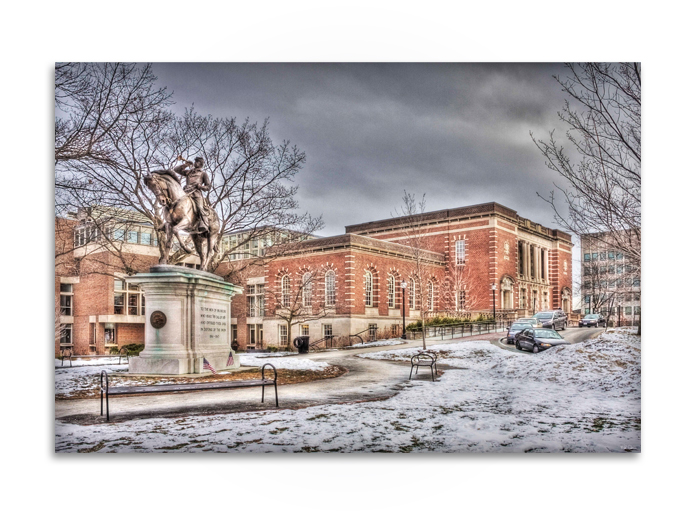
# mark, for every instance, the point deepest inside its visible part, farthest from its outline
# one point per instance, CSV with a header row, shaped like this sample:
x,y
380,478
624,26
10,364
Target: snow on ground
x,y
254,360
70,380
378,343
579,398
83,362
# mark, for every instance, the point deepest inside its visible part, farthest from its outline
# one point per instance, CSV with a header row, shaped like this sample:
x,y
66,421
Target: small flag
x,y
230,360
206,365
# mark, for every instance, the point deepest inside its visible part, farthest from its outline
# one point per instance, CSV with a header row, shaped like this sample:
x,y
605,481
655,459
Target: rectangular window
x,y
603,269
586,311
620,255
118,303
460,252
66,305
610,254
327,330
133,299
132,237
620,269
637,297
304,330
603,256
119,234
595,256
255,295
251,335
586,299
66,334
234,333
283,335
66,300
637,282
637,310
610,269
145,238
627,310
372,331
542,264
586,257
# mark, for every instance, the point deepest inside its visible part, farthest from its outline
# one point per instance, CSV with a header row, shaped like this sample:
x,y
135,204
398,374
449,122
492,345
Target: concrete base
x,y
196,308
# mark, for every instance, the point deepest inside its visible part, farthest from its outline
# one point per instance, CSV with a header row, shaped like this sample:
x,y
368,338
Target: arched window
x,y
391,291
413,294
286,296
330,288
430,295
368,289
307,288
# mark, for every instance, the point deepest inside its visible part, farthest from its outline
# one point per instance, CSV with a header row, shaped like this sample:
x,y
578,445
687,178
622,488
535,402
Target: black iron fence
x,y
459,330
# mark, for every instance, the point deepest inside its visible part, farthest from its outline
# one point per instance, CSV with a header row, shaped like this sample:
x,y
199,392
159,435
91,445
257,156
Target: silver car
x,y
555,319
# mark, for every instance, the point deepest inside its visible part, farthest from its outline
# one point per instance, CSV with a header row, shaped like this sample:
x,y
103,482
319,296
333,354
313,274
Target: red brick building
x,y
335,286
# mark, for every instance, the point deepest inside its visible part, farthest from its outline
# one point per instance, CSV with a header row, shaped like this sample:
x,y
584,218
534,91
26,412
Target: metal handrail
x,y
324,339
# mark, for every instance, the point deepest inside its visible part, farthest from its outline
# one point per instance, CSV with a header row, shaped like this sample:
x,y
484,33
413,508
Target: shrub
x,y
133,349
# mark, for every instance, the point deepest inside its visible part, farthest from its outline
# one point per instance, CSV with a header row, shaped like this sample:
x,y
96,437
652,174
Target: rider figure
x,y
197,181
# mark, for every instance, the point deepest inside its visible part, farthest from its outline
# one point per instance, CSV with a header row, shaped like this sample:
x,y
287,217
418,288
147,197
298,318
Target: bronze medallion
x,y
157,319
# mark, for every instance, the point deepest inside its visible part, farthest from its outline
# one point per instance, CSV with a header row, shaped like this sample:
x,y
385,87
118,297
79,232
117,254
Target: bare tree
x,y
461,295
419,268
251,176
92,101
603,192
296,299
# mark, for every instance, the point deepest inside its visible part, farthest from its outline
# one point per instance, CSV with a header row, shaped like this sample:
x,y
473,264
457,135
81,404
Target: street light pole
x,y
403,285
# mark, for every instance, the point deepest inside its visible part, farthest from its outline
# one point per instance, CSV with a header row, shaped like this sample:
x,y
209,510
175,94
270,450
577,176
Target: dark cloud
x,y
457,132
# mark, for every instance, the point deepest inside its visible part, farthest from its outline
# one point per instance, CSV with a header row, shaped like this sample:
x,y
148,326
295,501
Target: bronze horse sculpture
x,y
180,214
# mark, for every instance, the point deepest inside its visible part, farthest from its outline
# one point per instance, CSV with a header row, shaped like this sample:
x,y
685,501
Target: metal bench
x,y
185,387
424,359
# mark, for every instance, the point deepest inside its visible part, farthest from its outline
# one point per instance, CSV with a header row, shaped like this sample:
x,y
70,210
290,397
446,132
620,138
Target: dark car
x,y
515,328
593,320
537,339
556,319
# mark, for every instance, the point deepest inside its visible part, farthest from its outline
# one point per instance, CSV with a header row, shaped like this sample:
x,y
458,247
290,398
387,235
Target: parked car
x,y
514,329
556,319
593,320
537,339
530,321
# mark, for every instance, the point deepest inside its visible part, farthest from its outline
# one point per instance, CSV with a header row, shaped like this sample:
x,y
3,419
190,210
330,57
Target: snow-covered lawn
x,y
578,398
71,380
83,362
258,360
378,343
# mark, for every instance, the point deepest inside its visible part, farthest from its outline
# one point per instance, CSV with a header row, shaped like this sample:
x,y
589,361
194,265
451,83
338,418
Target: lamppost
x,y
494,299
403,285
619,315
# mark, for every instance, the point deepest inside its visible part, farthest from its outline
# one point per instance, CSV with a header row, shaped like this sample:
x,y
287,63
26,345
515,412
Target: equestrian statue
x,y
186,209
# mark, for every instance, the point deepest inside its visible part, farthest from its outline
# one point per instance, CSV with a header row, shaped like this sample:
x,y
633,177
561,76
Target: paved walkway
x,y
366,380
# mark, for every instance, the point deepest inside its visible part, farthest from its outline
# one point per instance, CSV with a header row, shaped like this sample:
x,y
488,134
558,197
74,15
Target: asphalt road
x,y
367,380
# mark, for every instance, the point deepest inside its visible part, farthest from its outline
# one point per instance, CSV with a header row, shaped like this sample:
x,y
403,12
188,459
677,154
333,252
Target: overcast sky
x,y
457,132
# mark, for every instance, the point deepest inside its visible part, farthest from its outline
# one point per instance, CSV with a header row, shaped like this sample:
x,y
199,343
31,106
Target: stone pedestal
x,y
187,319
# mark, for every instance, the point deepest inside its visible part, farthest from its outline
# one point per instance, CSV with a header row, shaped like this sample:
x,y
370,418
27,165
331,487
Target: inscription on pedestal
x,y
213,322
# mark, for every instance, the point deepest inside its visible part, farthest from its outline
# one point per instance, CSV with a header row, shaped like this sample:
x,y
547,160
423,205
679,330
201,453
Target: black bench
x,y
185,387
424,359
